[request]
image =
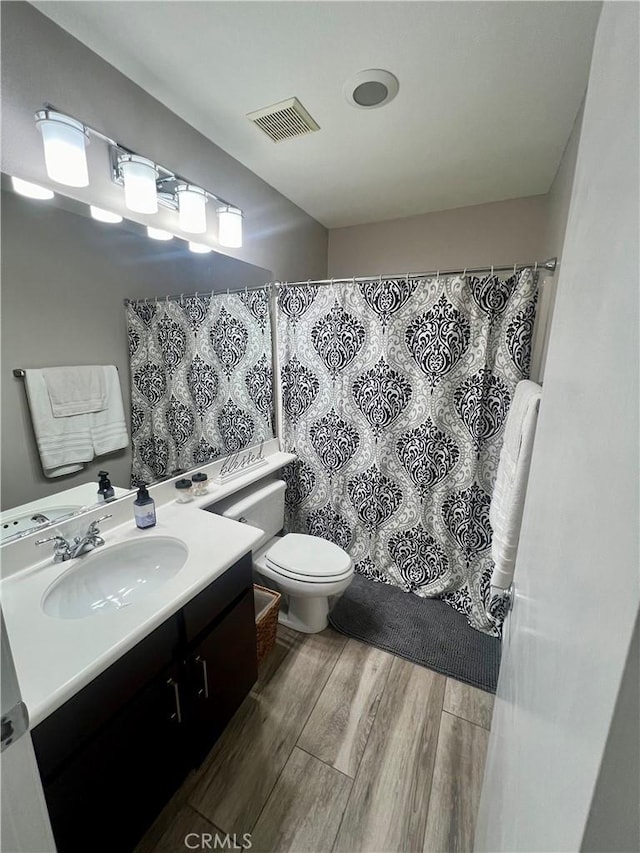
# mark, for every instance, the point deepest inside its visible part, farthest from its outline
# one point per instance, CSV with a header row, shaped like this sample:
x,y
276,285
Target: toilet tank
x,y
260,505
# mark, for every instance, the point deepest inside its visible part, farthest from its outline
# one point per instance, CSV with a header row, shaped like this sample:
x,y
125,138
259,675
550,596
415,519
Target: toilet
x,y
308,571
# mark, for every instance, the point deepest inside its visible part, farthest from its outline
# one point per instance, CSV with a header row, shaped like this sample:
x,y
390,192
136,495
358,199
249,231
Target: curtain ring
x,y
535,268
167,299
491,270
464,273
514,269
437,273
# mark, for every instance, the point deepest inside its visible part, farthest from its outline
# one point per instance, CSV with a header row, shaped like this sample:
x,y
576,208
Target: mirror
x,y
65,278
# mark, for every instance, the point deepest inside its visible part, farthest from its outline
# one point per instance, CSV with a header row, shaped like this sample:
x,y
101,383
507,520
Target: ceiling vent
x,y
284,120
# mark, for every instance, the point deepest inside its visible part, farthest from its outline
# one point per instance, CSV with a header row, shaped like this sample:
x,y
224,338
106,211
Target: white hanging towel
x,y
66,443
108,427
75,390
507,501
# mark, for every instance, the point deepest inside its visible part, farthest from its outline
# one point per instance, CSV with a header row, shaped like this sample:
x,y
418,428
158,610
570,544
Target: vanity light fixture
x,y
146,183
192,212
64,139
104,215
30,190
199,248
230,226
158,233
139,176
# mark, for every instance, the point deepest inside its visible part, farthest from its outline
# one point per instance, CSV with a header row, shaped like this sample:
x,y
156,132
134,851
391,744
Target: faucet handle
x,y
57,539
93,527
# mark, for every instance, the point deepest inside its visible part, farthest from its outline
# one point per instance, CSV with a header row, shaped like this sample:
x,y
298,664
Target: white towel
x,y
75,390
64,444
507,502
108,428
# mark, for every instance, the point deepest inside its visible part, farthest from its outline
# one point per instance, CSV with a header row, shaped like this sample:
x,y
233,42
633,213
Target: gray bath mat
x,y
425,631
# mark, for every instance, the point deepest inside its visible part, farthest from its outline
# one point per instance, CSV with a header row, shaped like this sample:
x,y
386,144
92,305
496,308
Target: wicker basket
x,y
267,602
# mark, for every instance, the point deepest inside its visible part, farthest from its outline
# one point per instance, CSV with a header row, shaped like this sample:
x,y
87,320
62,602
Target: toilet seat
x,y
309,559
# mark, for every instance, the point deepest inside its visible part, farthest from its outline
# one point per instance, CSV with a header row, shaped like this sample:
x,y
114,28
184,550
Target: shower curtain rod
x,y
544,266
176,297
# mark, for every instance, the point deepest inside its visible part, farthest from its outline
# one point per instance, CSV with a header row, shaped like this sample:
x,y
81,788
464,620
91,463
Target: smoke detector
x,y
372,88
284,120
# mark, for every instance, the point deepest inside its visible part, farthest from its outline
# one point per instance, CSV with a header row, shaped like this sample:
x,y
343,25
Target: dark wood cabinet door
x,y
107,795
222,668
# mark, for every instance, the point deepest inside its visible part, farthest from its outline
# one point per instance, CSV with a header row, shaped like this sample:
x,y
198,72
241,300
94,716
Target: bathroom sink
x,y
114,577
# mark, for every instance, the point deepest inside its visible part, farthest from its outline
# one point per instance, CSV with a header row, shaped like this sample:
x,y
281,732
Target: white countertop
x,y
56,657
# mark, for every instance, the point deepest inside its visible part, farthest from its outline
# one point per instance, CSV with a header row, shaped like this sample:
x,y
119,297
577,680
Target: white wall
x,y
556,216
577,592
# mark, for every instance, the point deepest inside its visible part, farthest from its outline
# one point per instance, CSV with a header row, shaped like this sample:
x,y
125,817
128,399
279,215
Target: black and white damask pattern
x,y
381,394
201,383
334,441
395,395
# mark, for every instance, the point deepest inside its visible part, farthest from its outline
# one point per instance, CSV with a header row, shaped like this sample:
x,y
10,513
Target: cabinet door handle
x,y
177,715
204,690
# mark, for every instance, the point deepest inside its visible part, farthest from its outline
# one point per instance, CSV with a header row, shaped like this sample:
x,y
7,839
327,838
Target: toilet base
x,y
307,615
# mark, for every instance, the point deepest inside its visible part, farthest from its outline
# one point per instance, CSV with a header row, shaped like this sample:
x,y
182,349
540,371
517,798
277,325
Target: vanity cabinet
x,y
112,756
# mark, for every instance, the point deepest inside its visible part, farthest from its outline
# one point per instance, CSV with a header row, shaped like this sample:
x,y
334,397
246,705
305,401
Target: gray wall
x,y
503,232
43,63
64,278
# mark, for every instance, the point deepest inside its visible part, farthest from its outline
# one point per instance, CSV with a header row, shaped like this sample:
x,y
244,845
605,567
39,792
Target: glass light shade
x,y
230,227
158,233
199,248
104,215
192,212
30,190
139,175
64,141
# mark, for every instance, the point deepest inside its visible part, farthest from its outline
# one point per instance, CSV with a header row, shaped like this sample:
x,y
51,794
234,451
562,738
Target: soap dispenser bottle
x,y
105,489
144,508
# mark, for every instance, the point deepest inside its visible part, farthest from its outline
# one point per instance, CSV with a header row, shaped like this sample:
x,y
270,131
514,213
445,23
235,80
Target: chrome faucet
x,y
65,549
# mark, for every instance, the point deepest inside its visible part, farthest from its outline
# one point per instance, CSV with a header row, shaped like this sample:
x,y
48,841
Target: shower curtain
x,y
395,394
200,379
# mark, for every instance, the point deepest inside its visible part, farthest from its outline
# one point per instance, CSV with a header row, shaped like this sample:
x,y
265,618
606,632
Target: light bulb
x,y
64,141
230,226
158,233
199,248
30,190
192,212
104,215
139,175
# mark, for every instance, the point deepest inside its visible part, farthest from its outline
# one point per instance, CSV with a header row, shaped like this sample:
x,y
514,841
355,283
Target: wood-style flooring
x,y
339,747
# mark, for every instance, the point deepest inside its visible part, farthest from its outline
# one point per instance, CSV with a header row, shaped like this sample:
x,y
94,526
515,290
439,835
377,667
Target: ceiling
x,y
488,91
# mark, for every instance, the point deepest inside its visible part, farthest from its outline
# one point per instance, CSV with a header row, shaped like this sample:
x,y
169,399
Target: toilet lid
x,y
309,556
